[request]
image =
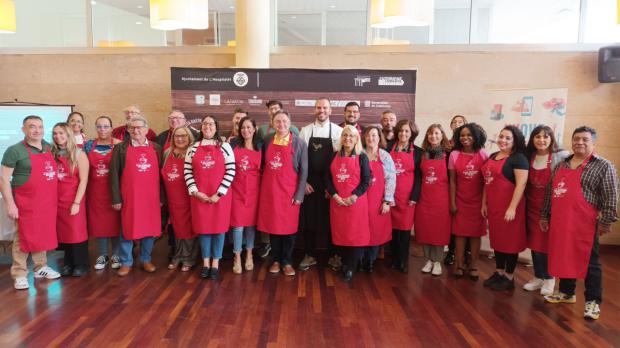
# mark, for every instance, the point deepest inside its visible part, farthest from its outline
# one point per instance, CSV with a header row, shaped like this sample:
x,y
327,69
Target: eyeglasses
x,y
102,126
211,124
131,129
180,136
176,118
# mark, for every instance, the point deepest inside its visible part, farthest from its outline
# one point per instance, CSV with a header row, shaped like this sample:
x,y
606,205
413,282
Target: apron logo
x,y
488,176
431,178
207,162
317,147
61,172
560,190
373,180
276,163
174,172
470,170
399,166
143,163
244,164
102,169
49,173
342,173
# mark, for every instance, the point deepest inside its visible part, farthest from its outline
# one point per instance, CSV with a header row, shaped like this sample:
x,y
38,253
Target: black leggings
x,y
400,247
352,257
76,254
507,262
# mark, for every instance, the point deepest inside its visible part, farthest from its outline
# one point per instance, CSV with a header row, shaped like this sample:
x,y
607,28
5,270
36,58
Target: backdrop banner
x,y
218,92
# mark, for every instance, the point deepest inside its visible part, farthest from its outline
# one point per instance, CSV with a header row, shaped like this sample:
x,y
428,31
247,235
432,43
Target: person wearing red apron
x,y
178,201
544,155
380,195
582,202
29,189
209,172
347,182
135,186
433,220
72,177
245,191
407,159
285,170
466,186
122,133
505,177
104,223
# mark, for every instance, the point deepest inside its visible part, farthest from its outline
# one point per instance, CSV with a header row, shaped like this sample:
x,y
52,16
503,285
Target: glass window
x,y
48,24
601,21
125,23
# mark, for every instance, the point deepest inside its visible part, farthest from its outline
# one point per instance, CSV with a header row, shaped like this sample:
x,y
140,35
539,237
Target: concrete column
x,y
252,23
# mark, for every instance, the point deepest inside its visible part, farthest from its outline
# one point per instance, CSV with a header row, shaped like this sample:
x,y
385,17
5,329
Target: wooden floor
x,y
312,309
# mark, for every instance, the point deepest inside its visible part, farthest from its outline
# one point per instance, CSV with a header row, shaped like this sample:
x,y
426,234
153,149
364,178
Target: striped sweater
x,y
229,162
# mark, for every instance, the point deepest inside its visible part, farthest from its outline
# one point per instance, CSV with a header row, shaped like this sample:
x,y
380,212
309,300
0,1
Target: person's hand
x,y
603,229
510,214
201,197
453,209
338,200
296,202
75,209
411,203
12,211
385,207
483,211
214,199
309,189
544,225
351,200
117,206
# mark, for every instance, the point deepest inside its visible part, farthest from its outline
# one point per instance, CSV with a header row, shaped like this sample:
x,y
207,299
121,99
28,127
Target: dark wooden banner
x,y
218,92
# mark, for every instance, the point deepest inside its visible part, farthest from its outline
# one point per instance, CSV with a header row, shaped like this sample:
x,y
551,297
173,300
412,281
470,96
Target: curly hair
x,y
477,133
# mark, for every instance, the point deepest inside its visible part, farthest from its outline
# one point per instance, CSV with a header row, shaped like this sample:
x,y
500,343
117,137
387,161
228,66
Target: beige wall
x,y
448,82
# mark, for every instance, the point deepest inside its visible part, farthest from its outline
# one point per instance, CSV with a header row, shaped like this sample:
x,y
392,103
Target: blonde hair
x,y
357,149
72,149
190,138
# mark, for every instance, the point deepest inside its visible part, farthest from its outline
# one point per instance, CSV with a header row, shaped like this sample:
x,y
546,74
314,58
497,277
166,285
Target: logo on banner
x,y
174,173
207,162
470,170
240,79
62,174
101,169
488,176
361,80
199,99
143,163
48,172
214,99
244,164
391,81
276,162
399,166
431,177
255,101
560,189
343,174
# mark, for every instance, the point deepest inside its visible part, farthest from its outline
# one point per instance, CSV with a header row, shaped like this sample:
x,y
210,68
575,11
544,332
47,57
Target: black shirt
x,y
515,161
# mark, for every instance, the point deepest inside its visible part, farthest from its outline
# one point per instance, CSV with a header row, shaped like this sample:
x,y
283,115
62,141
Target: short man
x,y
581,204
238,114
29,187
134,182
322,137
388,122
121,133
273,106
352,116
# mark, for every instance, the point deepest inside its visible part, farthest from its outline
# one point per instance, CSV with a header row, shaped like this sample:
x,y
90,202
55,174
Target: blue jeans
x,y
211,245
238,233
371,253
539,260
104,243
126,246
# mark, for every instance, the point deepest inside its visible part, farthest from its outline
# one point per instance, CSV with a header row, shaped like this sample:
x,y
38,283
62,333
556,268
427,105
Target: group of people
x,y
350,187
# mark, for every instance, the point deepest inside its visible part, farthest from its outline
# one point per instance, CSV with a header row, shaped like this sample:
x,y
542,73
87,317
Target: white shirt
x,y
136,144
316,130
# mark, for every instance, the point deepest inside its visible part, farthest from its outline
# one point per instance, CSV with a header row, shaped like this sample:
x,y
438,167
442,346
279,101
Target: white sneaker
x,y
101,262
592,310
534,284
436,269
115,262
548,286
427,267
21,283
46,272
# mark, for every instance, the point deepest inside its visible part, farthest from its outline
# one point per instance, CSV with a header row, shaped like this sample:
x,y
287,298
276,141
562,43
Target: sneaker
x,y
560,298
449,260
115,262
288,270
592,310
428,267
274,268
492,279
21,283
503,284
307,262
264,252
533,284
548,286
101,262
46,272
436,269
335,263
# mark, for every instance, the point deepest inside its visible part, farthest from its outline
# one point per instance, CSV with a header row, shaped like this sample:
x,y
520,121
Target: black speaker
x,y
609,64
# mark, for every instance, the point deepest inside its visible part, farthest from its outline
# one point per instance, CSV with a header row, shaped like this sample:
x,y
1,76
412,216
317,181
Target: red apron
x,y
140,214
572,226
209,170
380,224
103,220
349,225
245,188
70,228
276,212
167,144
537,181
37,204
177,197
468,221
432,220
402,212
505,237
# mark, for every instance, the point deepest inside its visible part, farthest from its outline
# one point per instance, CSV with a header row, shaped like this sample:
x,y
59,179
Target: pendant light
x,y
7,17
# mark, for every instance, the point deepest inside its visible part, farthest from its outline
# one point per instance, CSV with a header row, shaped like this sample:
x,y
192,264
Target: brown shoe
x,y
274,268
149,267
289,270
123,271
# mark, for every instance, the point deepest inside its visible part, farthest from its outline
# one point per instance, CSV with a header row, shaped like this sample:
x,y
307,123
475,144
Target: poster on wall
x,y
218,92
526,109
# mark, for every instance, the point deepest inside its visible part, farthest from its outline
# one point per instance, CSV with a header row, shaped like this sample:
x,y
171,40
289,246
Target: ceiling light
x,y
231,7
179,14
140,6
7,17
138,23
401,13
93,2
332,6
